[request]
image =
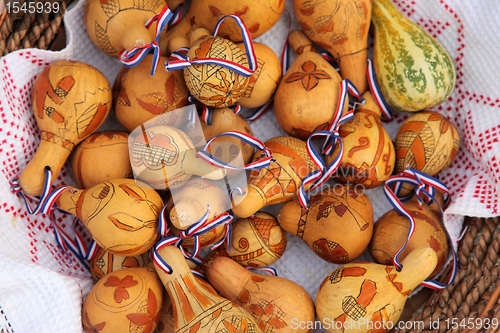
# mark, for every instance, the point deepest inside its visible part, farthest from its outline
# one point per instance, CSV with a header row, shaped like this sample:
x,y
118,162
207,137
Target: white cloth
x,y
40,291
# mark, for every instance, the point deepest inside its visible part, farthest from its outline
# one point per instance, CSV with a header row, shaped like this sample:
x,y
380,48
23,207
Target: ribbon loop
x,y
377,94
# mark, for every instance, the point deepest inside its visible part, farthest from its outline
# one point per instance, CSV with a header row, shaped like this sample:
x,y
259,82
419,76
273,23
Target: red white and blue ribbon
x,y
206,114
331,60
176,18
259,164
269,270
320,176
422,183
89,251
133,57
182,61
377,94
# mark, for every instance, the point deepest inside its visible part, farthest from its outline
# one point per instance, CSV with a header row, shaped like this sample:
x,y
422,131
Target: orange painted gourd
x,y
308,94
369,153
274,302
278,182
341,28
70,101
196,309
337,225
105,262
359,297
116,25
102,156
129,299
121,214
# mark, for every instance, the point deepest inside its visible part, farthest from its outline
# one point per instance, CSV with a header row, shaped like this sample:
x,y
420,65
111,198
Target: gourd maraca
x,y
264,82
426,141
257,241
197,309
359,297
139,96
309,78
340,27
190,204
258,16
105,262
129,299
278,182
214,85
102,156
120,24
337,225
70,100
413,70
121,214
274,302
165,157
391,231
369,153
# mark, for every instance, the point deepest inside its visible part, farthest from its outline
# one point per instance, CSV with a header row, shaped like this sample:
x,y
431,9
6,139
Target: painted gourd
x,y
341,28
100,157
413,70
258,16
127,300
369,153
116,25
257,241
426,141
121,214
196,309
227,148
310,78
337,225
105,262
70,101
221,251
359,297
391,231
275,303
139,97
191,200
165,157
214,85
264,82
278,182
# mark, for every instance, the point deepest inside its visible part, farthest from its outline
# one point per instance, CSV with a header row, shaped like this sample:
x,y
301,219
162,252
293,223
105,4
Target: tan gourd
x,y
257,241
165,157
70,101
391,231
369,153
102,156
106,262
340,27
308,94
426,141
196,309
214,85
359,297
227,148
275,303
139,97
264,82
259,17
121,214
218,252
337,225
278,182
129,299
116,25
191,200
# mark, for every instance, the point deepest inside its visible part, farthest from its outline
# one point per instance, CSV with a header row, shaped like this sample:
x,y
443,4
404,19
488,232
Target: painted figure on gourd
x,y
121,214
105,262
365,297
341,28
337,225
70,101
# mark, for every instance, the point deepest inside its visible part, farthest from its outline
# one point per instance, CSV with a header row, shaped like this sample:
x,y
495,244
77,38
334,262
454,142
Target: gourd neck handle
x,y
70,202
300,43
370,104
249,203
417,267
182,29
196,166
227,276
137,36
198,34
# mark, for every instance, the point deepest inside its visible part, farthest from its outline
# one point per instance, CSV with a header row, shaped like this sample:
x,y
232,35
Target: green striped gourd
x,y
413,70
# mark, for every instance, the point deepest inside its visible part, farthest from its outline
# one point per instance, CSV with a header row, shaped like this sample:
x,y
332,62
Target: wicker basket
x,y
23,30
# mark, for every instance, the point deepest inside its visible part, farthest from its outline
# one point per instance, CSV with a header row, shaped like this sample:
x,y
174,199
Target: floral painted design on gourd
x,y
310,76
148,314
88,327
121,286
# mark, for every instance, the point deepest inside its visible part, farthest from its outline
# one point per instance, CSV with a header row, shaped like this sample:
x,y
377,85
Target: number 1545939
x,y
32,7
